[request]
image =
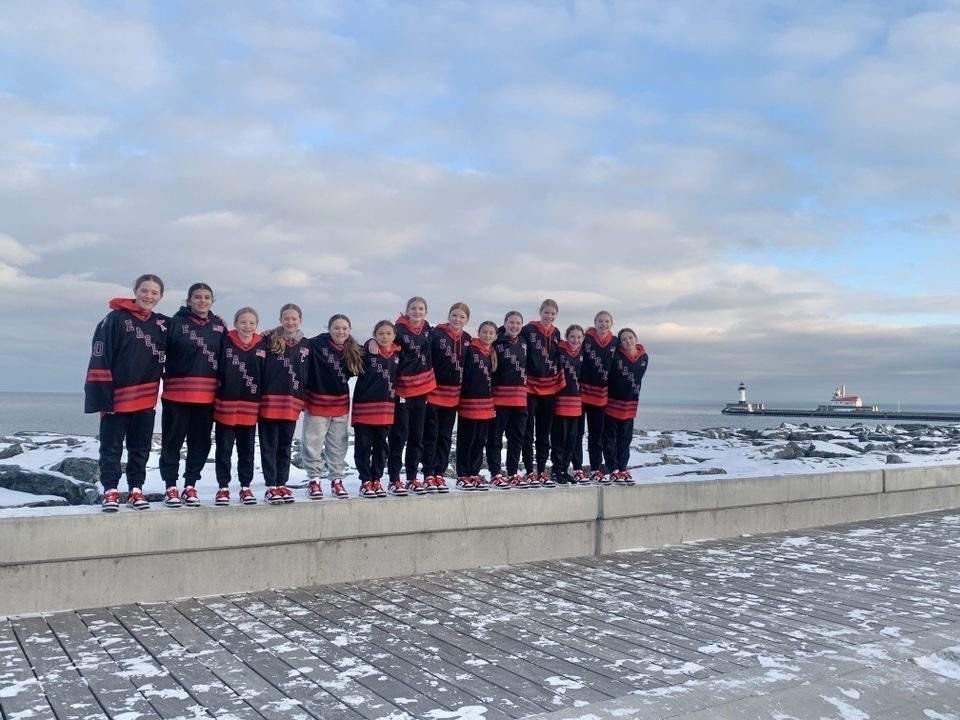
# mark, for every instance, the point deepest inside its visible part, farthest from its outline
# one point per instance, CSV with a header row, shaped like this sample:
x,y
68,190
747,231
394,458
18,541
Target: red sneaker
x,y
314,491
416,487
273,496
222,497
136,500
247,497
440,484
378,489
367,490
171,498
190,497
500,482
111,501
397,488
338,490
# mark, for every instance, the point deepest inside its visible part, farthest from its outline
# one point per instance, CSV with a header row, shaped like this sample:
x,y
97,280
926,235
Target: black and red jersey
x,y
285,381
510,377
476,392
126,360
626,374
376,387
447,351
597,356
415,376
543,371
328,394
239,376
193,352
568,402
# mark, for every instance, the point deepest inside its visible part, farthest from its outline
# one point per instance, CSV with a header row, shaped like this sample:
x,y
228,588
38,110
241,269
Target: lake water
x,y
63,413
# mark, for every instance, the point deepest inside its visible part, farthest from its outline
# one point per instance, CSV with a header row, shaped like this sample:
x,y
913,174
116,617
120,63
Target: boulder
x,y
83,469
894,459
42,482
11,451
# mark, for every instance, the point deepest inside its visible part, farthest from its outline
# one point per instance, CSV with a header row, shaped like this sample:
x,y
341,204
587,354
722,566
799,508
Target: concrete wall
x,y
83,560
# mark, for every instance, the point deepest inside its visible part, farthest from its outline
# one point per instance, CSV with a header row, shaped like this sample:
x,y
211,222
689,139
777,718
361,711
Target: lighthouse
x,y
743,394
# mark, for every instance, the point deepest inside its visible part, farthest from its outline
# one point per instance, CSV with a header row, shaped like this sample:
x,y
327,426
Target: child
x,y
599,345
626,372
284,388
373,411
509,383
476,410
334,359
237,406
448,346
194,342
415,380
123,379
566,433
544,381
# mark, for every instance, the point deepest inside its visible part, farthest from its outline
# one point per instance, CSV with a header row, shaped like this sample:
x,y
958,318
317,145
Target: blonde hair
x,y
458,306
245,311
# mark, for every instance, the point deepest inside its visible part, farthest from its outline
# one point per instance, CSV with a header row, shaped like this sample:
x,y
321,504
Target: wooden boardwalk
x,y
504,642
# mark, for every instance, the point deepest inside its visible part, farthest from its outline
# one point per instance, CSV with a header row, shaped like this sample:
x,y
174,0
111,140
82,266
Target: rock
x,y
11,451
790,451
894,459
702,471
42,482
80,468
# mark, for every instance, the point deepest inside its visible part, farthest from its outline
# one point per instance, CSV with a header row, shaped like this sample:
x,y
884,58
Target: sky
x,y
765,192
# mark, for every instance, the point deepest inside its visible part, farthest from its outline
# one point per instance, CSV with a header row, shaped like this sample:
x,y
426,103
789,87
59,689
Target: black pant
x,y
513,422
539,420
184,421
471,439
565,441
137,429
370,450
243,436
407,430
617,435
276,440
437,439
595,423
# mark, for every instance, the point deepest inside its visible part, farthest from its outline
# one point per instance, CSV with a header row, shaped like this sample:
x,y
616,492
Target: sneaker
x,y
618,477
222,497
273,496
519,481
367,490
480,483
532,480
627,477
440,484
430,483
416,487
606,479
286,492
378,489
579,476
247,497
171,498
500,482
190,498
397,488
596,476
136,500
465,483
314,491
546,480
338,490
111,501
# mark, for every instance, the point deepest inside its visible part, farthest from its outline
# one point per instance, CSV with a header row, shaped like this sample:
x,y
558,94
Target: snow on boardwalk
x,y
799,624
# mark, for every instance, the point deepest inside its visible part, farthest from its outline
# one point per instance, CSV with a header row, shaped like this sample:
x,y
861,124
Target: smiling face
x,y
147,295
200,301
339,331
512,325
457,319
384,336
290,321
628,341
548,314
575,338
416,311
603,322
246,326
487,334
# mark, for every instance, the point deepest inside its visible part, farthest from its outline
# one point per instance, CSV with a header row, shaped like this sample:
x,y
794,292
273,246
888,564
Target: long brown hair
x,y
351,349
493,353
277,343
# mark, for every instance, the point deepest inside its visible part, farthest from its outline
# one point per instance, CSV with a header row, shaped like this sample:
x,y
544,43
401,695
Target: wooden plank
x,y
199,681
67,692
21,692
116,693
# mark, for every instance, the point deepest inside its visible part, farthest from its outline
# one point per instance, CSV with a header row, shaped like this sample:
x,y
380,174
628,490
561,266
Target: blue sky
x,y
766,192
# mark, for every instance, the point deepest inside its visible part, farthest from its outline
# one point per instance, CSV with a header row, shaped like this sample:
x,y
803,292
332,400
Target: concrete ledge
x,y
80,560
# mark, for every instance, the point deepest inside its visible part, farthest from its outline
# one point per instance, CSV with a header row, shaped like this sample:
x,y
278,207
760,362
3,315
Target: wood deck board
x,y
23,691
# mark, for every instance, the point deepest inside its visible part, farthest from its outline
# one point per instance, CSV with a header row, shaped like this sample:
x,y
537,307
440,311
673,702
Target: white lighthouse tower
x,y
743,394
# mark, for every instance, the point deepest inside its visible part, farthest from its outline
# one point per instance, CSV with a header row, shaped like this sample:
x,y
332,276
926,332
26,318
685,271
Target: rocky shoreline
x,y
51,470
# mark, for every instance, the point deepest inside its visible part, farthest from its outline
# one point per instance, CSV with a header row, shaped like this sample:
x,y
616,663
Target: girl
x,y
415,380
567,433
284,388
599,345
476,410
509,383
123,379
238,403
334,359
626,372
544,381
448,347
373,411
194,341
